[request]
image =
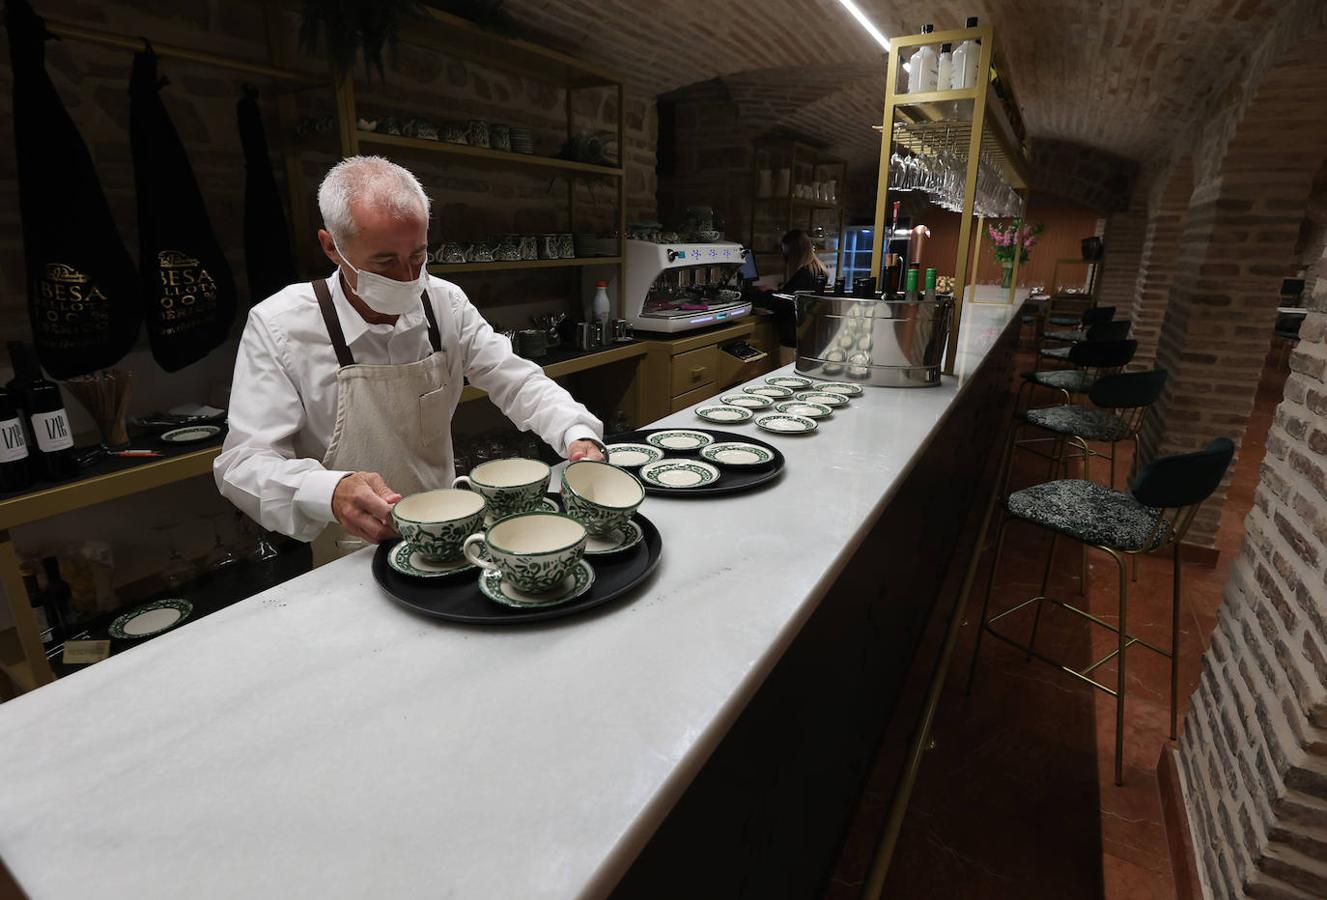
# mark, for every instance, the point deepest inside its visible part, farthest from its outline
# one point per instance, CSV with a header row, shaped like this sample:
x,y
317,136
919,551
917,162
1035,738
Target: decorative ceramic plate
x,y
724,414
679,473
151,618
632,456
824,398
578,582
408,561
772,391
803,408
793,382
841,387
616,542
782,423
747,401
191,435
545,505
679,439
737,453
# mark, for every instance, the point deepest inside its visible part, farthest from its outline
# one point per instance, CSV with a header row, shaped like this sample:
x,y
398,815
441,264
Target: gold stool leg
x,y
985,604
1045,580
1119,680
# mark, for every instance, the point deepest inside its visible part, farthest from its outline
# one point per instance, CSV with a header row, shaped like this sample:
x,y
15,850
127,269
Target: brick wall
x,y
1166,204
1126,231
1091,177
1254,750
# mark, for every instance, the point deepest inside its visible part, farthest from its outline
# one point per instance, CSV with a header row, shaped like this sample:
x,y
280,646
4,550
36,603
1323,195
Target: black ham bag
x,y
83,292
188,290
267,259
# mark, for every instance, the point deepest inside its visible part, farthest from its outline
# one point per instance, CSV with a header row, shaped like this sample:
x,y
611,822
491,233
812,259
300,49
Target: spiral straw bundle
x,y
105,395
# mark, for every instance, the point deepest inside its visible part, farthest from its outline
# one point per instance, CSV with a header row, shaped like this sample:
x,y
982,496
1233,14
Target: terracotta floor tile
x,y
1017,798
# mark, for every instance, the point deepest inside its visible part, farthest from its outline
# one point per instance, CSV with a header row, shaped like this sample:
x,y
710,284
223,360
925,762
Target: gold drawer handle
x,y
697,373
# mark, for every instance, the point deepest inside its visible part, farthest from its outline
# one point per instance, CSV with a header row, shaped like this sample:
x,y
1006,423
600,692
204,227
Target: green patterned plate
x,y
409,562
736,453
749,401
782,423
792,382
577,583
615,542
773,391
841,387
724,414
632,456
803,408
679,439
679,473
151,618
824,398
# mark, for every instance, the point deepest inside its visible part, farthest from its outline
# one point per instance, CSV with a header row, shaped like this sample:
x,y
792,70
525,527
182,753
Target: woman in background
x,y
801,264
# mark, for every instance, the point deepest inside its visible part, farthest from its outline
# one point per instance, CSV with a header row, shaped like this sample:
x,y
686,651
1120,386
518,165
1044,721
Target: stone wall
x,y
1254,750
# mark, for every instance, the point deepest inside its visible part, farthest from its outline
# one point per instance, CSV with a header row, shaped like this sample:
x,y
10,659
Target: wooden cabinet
x,y
693,367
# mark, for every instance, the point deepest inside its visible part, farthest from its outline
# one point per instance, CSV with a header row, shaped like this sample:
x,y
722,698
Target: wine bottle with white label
x,y
15,464
52,445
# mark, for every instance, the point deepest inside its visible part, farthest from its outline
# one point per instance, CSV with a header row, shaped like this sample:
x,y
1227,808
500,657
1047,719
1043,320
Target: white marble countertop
x,y
319,741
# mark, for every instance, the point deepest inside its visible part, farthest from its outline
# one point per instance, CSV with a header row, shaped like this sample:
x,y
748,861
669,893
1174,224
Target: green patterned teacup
x,y
509,486
600,496
436,523
535,552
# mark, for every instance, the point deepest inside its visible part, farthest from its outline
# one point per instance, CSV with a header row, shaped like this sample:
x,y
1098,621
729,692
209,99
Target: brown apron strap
x,y
343,354
435,336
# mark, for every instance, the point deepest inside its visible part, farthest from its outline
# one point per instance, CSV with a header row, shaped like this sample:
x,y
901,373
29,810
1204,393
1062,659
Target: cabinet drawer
x,y
694,369
682,401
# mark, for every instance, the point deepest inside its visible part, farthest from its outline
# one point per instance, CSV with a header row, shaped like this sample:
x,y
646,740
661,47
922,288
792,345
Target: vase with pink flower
x,y
1015,236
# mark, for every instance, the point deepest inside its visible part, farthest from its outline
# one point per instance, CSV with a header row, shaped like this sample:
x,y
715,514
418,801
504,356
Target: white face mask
x,y
384,295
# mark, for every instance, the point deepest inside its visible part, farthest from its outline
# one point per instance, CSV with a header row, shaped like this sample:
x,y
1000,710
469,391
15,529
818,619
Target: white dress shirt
x,y
284,395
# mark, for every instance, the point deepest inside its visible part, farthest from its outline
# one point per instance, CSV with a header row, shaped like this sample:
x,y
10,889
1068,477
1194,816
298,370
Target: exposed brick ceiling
x,y
1125,76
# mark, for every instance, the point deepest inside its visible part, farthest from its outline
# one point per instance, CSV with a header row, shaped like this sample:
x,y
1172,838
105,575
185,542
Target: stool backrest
x,y
1102,355
1114,330
1097,315
1182,482
1129,390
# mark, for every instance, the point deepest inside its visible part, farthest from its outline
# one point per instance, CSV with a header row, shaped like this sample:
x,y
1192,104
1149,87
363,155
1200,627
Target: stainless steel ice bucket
x,y
886,343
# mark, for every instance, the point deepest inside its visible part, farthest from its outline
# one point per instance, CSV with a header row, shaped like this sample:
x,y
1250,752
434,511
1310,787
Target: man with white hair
x,y
345,387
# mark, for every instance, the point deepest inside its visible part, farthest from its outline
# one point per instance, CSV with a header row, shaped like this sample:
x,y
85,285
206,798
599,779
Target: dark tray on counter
x,y
732,479
457,598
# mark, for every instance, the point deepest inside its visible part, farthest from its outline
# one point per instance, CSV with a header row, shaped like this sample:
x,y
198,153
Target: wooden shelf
x,y
574,361
506,266
483,155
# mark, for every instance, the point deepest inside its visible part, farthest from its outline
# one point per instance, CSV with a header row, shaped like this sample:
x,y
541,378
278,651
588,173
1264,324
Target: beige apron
x,y
393,420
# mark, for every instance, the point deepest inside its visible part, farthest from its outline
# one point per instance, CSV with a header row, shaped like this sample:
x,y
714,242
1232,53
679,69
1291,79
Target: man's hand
x,y
584,449
362,503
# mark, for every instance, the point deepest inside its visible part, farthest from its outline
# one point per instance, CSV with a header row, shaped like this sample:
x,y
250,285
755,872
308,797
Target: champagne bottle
x,y
52,438
911,294
15,463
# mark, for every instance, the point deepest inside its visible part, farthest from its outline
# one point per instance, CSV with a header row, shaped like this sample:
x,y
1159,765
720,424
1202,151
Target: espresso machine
x,y
680,287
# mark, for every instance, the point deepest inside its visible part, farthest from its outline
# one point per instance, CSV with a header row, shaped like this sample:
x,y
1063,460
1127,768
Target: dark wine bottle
x,y
52,445
56,600
48,625
15,463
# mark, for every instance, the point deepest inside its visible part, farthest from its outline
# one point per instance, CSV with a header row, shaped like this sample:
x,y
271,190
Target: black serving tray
x,y
732,479
457,599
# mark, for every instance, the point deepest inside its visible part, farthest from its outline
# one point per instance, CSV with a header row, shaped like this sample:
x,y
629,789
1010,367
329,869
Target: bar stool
x,y
1114,330
1090,360
1154,514
1094,316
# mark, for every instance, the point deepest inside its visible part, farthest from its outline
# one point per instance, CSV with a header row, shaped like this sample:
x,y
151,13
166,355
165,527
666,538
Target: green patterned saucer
x,y
750,401
803,408
408,561
680,439
841,387
773,391
824,398
737,453
575,584
547,504
724,414
151,618
792,382
782,423
679,473
631,456
615,542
